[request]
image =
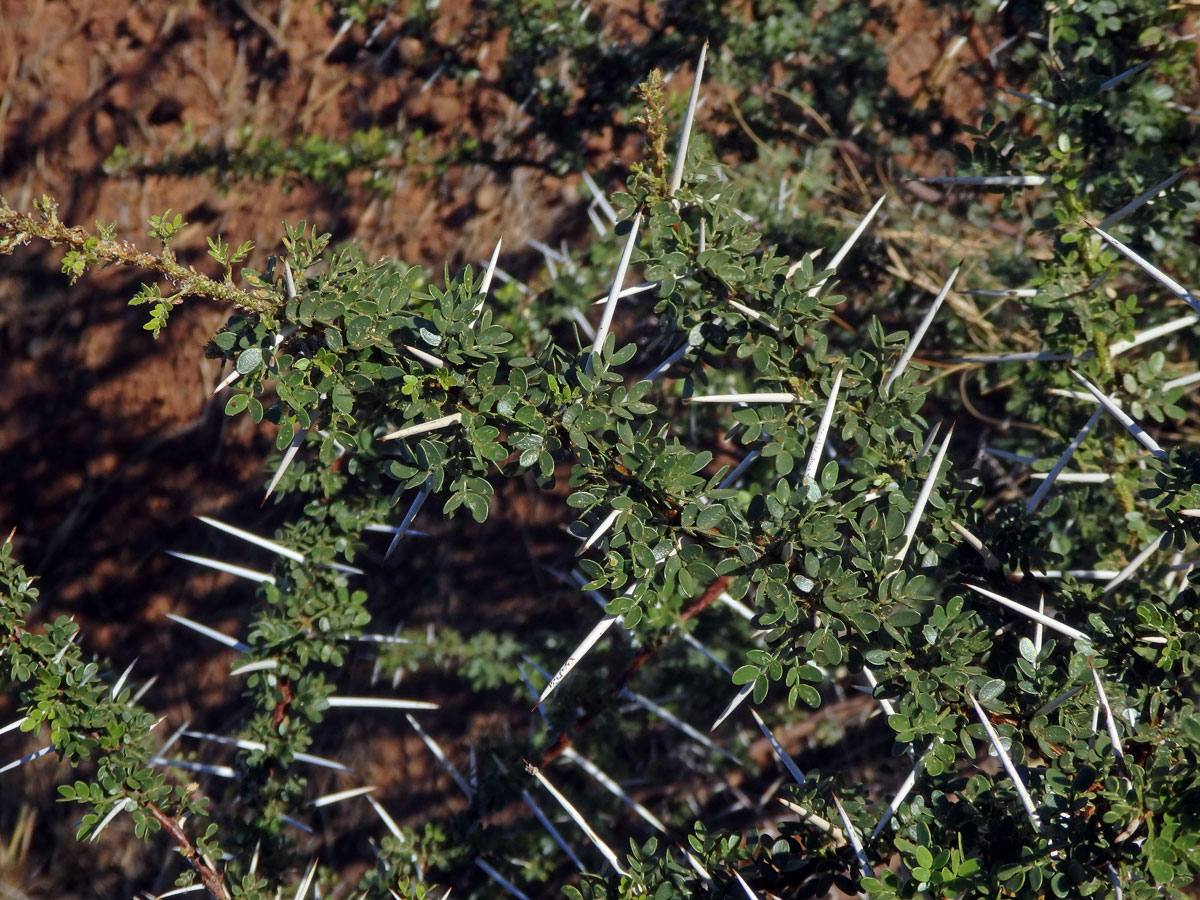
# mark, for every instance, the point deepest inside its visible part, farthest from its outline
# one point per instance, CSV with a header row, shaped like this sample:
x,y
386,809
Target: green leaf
x,y
924,858
784,463
286,432
1161,872
358,331
1028,651
249,360
710,517
990,690
745,674
624,355
808,694
477,505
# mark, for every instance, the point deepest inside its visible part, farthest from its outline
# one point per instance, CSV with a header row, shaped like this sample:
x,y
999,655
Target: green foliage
x,y
88,720
853,538
326,161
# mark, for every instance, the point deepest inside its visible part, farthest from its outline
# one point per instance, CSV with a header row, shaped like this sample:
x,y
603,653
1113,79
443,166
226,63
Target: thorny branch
x,y
17,228
213,880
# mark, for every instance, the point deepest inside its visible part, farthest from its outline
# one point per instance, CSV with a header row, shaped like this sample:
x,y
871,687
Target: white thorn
x,y
1150,269
289,281
987,180
386,818
753,314
338,797
228,568
116,688
218,636
914,518
1109,718
579,820
584,646
1075,477
1121,416
607,782
424,357
745,887
1134,564
259,665
627,292
1004,292
839,838
610,306
856,842
307,880
688,118
911,347
247,536
120,806
1181,382
599,532
758,397
844,249
814,458
599,197
1009,766
487,276
733,704
1056,470
288,456
188,766
780,752
422,427
175,892
244,744
1140,200
1151,334
12,725
415,508
436,749
905,788
337,702
990,560
1074,633
1039,629
226,382
500,879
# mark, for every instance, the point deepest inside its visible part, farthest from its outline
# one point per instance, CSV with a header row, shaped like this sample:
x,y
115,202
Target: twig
x,y
187,281
213,881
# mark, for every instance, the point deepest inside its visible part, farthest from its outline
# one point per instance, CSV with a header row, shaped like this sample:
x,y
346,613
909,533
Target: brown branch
x,y
281,708
213,880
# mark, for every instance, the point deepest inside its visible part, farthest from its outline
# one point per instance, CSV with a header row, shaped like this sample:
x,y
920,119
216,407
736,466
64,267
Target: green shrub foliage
x,y
1035,664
